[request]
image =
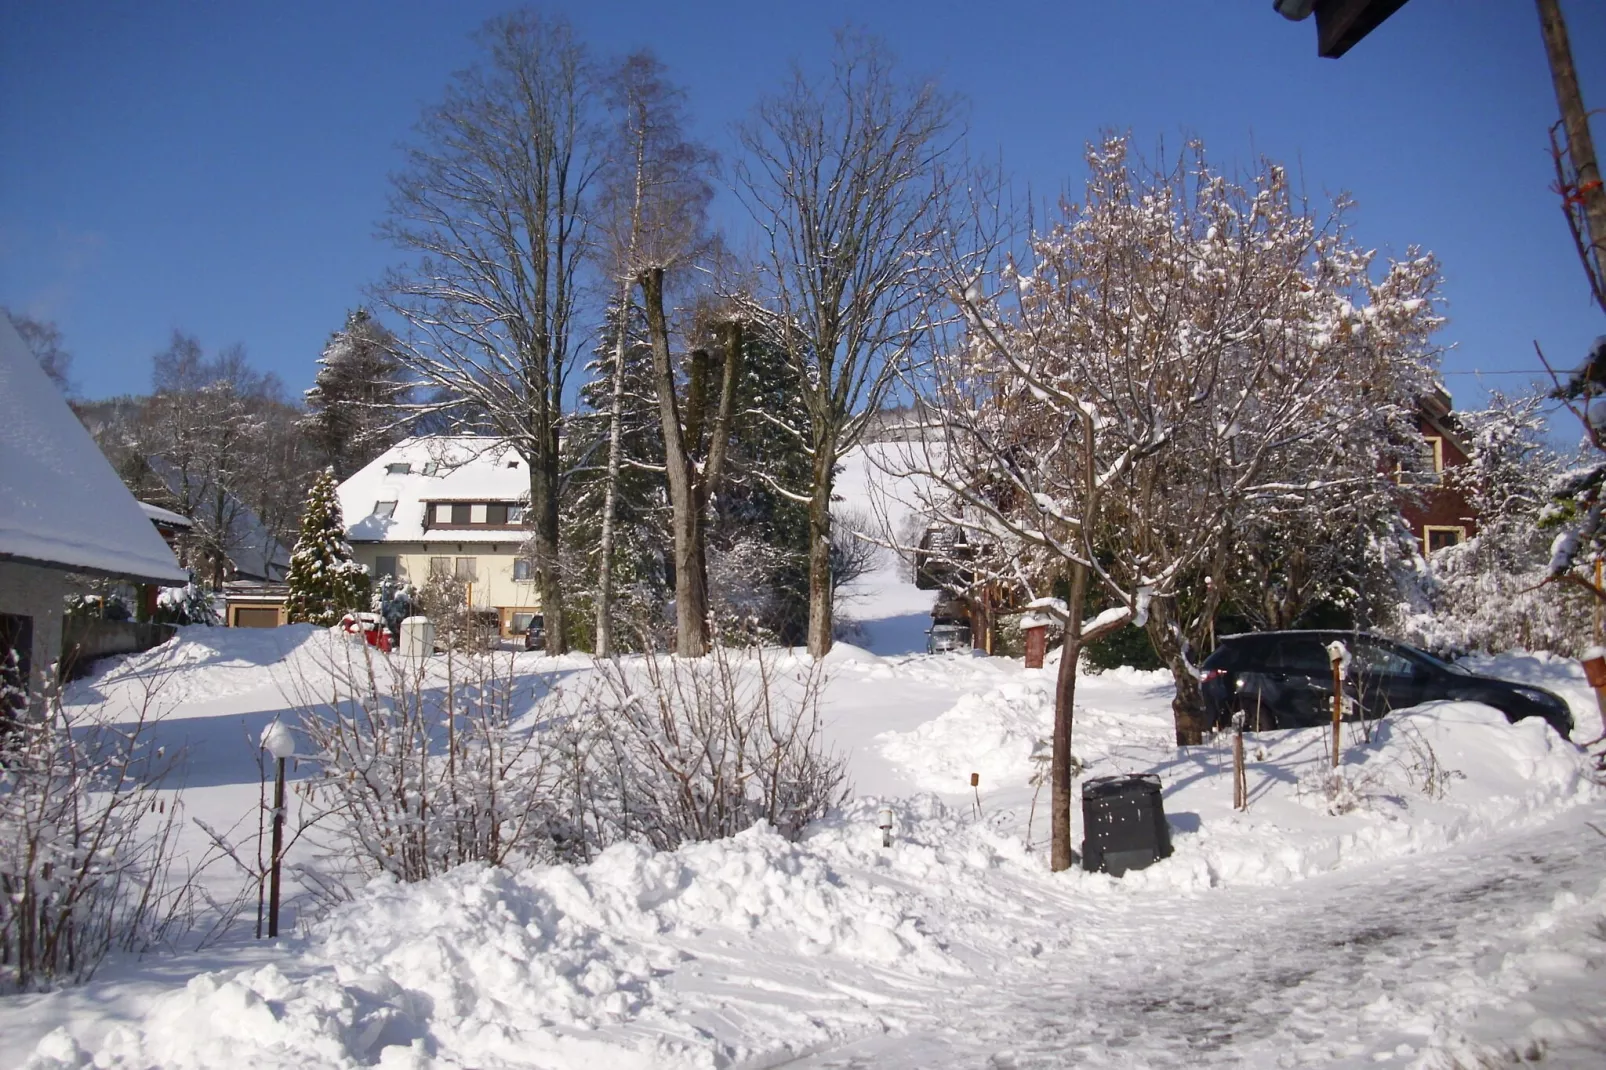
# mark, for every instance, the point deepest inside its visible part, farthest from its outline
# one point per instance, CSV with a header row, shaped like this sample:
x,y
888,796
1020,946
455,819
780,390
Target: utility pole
x,y
1583,196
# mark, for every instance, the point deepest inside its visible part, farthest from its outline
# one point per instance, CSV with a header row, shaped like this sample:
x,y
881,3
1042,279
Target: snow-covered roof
x,y
460,469
61,505
166,516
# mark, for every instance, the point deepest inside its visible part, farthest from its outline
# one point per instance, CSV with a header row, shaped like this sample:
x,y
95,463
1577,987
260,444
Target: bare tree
x,y
43,339
211,443
658,194
845,177
492,205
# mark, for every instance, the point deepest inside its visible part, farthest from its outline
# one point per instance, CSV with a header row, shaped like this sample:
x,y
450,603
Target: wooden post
x,y
1240,781
1600,639
278,848
1337,653
1036,644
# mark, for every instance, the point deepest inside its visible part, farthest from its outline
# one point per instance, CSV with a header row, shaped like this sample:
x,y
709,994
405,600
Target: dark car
x,y
1285,680
533,627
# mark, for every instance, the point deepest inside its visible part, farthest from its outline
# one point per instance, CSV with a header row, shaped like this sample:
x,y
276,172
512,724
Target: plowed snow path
x,y
1470,958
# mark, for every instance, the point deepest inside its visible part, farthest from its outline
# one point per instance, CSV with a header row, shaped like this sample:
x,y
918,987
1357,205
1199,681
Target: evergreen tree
x,y
758,505
324,581
640,517
354,407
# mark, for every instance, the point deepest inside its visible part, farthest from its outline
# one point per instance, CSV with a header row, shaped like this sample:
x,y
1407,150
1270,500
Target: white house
x,y
452,505
62,510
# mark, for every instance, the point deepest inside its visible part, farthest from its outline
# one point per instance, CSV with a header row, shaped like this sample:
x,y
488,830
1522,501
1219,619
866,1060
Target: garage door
x,y
256,617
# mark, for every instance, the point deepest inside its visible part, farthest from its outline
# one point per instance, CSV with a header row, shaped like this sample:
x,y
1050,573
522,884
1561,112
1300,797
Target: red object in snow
x,y
373,629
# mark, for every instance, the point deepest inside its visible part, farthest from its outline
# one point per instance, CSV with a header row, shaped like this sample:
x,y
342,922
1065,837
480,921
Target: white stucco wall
x,y
494,585
31,591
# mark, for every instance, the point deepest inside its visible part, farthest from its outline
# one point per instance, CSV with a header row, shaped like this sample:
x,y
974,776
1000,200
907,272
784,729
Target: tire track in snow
x,y
1356,969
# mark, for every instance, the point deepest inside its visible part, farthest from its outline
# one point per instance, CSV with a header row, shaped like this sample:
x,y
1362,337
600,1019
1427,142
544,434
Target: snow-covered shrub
x,y
444,600
86,847
190,604
1480,608
744,599
422,765
394,600
687,749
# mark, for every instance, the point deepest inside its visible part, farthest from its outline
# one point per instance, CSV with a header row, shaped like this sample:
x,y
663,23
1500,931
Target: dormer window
x,y
385,509
398,468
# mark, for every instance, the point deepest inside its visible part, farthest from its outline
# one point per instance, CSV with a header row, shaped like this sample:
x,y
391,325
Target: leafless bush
x,y
86,846
424,764
697,749
1340,791
1421,765
444,600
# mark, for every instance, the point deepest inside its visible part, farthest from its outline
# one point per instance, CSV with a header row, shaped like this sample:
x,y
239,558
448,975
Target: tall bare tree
x,y
655,201
492,207
845,176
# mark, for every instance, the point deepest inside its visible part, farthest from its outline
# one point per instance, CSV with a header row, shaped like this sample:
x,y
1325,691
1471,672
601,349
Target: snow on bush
x,y
422,766
190,604
86,846
680,749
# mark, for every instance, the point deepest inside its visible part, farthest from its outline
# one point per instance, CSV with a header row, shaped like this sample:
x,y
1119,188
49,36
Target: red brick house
x,y
1443,517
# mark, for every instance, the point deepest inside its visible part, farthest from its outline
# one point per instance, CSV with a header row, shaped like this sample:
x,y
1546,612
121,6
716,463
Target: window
x,y
440,566
399,468
496,513
384,508
461,511
519,621
1379,660
443,513
1433,453
476,513
1440,537
430,468
465,569
522,572
515,513
385,566
1303,657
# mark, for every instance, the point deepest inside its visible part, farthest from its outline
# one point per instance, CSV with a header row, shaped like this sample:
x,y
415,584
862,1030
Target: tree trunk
x,y
1059,771
610,494
549,577
1187,706
820,608
691,585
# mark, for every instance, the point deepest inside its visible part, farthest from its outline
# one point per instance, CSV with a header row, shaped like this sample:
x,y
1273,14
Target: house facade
x,y
450,506
1442,516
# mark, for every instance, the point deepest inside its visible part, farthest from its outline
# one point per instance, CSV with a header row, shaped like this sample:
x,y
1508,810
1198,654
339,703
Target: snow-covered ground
x,y
1448,909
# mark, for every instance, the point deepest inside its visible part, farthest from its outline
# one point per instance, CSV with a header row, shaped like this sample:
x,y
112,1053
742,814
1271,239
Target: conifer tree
x,y
625,484
324,581
353,408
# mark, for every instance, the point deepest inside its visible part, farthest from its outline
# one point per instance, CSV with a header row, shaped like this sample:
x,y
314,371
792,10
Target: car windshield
x,y
1437,663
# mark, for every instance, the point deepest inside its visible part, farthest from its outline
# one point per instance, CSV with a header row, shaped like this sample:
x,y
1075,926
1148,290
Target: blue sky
x,y
219,167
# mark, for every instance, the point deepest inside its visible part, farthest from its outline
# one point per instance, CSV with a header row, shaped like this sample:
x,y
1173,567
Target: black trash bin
x,y
1123,823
